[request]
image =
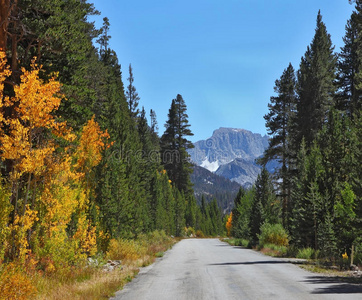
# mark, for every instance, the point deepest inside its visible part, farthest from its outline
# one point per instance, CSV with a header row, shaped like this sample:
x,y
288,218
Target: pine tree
x,y
279,122
327,239
316,88
154,130
263,207
358,21
180,206
104,38
243,205
349,64
310,205
174,145
132,95
190,214
216,218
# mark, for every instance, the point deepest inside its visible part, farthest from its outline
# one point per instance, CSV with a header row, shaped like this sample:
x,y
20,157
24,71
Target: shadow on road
x,y
250,263
336,285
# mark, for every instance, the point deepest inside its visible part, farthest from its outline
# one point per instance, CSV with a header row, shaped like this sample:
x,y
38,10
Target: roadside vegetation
x,y
311,206
98,277
85,175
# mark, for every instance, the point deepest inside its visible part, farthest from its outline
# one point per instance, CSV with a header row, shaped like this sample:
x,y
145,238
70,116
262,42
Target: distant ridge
x,y
211,185
231,153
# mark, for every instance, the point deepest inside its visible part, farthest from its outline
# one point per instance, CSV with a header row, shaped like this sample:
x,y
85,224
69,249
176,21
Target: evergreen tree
x,y
154,126
240,224
236,230
309,204
191,211
174,145
180,206
263,206
154,130
349,64
279,122
132,95
104,38
316,88
358,21
327,239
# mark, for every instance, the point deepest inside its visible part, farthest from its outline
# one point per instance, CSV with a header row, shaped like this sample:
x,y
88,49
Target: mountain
x,y
241,171
211,186
227,144
231,153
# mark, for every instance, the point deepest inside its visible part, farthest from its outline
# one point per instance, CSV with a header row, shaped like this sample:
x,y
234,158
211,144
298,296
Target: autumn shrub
x,y
190,231
199,234
229,224
273,234
122,249
15,283
156,241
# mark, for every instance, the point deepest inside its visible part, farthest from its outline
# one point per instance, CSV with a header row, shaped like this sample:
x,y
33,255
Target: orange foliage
x,y
229,224
14,283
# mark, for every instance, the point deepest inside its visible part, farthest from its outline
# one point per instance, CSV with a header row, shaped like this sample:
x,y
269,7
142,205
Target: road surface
x,y
196,269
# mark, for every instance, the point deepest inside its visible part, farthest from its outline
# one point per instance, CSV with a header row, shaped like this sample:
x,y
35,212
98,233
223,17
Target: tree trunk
x,y
4,21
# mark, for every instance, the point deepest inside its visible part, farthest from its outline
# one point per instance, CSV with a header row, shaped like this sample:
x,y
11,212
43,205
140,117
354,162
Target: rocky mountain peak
x,y
231,153
227,144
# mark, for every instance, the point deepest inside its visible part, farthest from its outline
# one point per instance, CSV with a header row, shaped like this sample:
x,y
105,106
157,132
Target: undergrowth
x,y
83,280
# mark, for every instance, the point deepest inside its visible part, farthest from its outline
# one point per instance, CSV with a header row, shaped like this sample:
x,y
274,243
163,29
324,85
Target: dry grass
x,y
90,283
101,285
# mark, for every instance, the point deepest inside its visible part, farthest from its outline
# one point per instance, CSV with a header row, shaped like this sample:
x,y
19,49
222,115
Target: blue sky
x,y
223,57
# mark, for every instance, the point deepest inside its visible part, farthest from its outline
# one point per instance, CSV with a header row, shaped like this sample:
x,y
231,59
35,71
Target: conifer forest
x,y
85,169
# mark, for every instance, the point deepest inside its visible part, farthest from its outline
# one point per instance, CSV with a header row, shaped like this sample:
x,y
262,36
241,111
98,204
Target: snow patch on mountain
x,y
211,166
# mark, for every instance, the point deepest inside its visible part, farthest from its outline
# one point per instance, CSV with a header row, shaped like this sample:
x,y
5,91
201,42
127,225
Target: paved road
x,y
209,269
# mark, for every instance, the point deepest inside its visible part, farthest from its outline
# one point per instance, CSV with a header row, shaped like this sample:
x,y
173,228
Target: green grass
x,y
306,253
237,242
159,254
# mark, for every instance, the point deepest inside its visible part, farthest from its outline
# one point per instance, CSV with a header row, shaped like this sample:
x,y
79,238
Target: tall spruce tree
x,y
174,145
316,87
104,38
279,124
132,95
358,21
241,213
349,64
309,203
263,208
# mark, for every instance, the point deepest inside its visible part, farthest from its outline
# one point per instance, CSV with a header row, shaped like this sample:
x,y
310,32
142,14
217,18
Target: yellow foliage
x,y
49,188
126,249
34,103
20,227
14,284
85,237
91,144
